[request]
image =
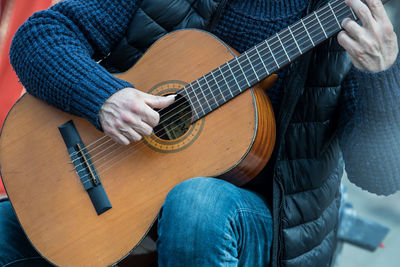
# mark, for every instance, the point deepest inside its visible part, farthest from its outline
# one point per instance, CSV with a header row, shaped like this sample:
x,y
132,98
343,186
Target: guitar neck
x,y
237,75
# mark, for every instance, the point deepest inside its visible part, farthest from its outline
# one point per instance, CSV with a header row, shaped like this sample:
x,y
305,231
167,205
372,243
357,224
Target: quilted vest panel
x,y
310,164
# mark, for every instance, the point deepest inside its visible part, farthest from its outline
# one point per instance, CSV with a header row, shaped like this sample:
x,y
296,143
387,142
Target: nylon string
x,y
127,149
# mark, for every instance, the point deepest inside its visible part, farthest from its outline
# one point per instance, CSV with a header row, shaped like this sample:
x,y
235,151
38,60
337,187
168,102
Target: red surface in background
x,y
13,14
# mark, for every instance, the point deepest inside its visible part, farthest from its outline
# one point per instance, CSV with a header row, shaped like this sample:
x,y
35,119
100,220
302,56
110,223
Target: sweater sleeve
x,y
54,53
370,137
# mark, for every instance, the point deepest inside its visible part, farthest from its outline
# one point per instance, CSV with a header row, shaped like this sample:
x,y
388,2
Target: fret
x,y
330,21
322,27
305,28
346,12
276,62
199,97
266,57
241,69
190,100
246,64
238,76
261,59
284,50
233,75
314,28
195,103
215,81
211,92
354,15
227,84
205,91
258,79
232,83
289,43
295,41
258,64
299,33
337,21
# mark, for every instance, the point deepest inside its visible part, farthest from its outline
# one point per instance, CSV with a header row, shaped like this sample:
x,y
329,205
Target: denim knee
x,y
207,222
194,221
198,198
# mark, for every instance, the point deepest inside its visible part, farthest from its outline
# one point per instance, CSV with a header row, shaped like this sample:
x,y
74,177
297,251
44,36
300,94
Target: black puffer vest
x,y
306,164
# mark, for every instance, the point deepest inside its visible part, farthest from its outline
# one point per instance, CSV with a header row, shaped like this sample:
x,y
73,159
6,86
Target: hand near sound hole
x,y
129,114
373,46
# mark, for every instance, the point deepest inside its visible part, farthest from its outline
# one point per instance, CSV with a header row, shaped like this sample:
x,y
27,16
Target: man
x,y
287,216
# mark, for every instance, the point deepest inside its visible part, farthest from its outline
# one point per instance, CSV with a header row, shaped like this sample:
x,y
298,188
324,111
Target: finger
x,y
352,29
121,139
362,11
141,113
347,43
143,129
150,116
131,134
118,137
159,101
377,10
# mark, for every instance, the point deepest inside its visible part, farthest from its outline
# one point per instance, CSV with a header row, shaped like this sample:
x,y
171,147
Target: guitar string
x,y
222,73
296,24
121,156
313,20
172,129
89,145
127,149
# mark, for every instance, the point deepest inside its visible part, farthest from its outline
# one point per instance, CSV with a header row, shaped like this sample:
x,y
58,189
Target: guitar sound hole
x,y
175,120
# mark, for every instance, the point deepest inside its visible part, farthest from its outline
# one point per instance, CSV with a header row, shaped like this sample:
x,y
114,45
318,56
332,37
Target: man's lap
x,y
219,223
199,215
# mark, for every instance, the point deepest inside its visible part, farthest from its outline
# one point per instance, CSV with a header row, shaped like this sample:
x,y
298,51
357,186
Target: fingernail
x,y
172,95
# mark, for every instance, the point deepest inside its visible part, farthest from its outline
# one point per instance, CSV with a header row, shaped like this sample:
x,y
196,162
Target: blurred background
x,y
384,210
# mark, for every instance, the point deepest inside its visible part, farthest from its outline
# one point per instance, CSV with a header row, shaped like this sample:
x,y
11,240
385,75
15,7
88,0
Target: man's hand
x,y
373,46
128,115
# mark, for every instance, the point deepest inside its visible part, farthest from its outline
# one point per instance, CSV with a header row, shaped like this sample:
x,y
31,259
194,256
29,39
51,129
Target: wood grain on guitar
x,y
54,209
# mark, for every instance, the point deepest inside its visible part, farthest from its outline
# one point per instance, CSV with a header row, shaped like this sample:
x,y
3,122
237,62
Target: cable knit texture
x,y
371,139
54,54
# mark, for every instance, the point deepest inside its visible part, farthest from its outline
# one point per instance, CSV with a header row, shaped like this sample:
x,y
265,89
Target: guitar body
x,y
233,142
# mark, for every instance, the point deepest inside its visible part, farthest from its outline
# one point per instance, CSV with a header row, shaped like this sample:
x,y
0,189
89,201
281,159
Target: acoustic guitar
x,y
84,200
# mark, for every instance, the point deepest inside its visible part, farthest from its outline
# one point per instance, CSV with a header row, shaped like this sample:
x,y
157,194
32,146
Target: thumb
x,y
160,101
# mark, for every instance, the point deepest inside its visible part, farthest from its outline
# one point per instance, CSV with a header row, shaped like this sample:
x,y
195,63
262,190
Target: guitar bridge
x,y
87,164
84,167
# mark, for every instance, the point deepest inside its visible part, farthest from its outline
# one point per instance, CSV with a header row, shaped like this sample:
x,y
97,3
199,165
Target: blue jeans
x,y
210,222
203,222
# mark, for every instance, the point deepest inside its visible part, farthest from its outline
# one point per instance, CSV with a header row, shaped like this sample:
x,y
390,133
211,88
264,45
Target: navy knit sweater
x,y
54,54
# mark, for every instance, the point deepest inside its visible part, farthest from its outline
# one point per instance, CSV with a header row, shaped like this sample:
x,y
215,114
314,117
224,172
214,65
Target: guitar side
x,y
233,142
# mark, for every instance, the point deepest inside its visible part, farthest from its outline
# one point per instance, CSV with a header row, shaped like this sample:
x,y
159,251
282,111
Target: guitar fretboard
x,y
235,76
